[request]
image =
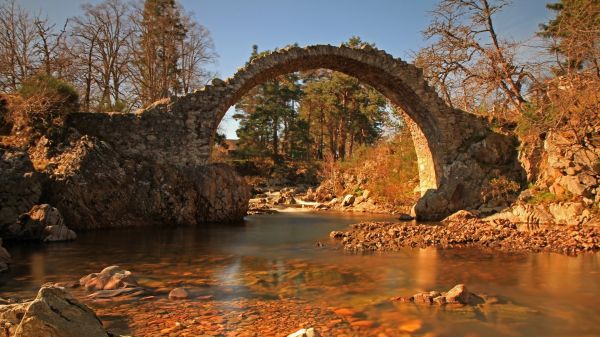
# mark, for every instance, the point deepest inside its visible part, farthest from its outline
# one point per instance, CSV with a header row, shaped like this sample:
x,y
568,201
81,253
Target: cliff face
x,y
93,186
564,174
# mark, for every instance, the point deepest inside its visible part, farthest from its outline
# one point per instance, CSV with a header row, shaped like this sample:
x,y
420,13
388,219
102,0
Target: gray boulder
x,y
53,313
42,222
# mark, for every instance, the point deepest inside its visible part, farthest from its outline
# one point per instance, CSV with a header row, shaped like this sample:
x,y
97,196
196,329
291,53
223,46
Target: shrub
x,y
50,94
500,187
39,108
388,169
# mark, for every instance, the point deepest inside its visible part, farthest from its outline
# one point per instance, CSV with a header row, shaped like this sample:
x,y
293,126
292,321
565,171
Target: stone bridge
x,y
458,153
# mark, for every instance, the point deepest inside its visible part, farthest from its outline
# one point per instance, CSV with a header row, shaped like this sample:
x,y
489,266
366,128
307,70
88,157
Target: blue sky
x,y
235,25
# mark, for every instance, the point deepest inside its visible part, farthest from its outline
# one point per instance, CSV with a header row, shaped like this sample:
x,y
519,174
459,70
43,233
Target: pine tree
x,y
162,31
574,35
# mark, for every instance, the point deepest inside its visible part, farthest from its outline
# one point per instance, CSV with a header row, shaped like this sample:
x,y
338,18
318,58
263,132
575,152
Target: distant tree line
x,y
118,55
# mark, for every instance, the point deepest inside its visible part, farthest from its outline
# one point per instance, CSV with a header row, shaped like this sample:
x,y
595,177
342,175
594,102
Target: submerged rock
x,y
179,294
457,295
461,215
53,313
460,294
110,278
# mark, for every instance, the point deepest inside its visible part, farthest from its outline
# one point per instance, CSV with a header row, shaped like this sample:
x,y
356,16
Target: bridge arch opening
x,y
394,79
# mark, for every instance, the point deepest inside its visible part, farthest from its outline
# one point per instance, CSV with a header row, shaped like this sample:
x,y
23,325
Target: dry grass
x,y
388,170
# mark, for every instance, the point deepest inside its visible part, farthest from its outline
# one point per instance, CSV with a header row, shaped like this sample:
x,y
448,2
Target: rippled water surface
x,y
274,257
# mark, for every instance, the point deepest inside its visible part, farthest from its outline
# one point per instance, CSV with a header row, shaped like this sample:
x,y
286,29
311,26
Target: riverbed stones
x,y
499,234
53,313
457,295
110,278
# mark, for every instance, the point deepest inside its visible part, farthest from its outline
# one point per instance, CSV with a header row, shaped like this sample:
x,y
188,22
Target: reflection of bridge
x,y
457,152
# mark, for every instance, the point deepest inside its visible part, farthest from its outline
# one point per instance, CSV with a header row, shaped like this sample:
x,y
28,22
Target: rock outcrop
x,y
53,313
5,258
565,173
95,187
20,186
41,223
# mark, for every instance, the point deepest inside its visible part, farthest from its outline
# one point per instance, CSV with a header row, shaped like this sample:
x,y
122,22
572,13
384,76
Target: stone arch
x,y
458,153
402,83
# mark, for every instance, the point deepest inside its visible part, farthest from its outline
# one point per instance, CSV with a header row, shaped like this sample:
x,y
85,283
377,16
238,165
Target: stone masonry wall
x,y
457,152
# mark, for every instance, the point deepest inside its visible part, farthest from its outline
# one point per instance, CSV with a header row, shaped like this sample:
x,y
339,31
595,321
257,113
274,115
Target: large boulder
x,y
53,313
43,223
348,200
567,213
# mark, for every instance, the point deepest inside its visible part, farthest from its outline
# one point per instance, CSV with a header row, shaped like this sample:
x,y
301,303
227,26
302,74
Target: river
x,y
275,258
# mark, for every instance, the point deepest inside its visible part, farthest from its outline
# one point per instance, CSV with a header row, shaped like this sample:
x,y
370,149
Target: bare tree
x,y
48,46
18,38
197,50
101,34
467,52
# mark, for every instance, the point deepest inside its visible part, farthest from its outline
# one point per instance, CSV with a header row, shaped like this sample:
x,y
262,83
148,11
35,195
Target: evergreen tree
x,y
575,35
268,117
161,32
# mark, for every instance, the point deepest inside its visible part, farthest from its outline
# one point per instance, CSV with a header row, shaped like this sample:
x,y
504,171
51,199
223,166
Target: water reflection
x,y
273,257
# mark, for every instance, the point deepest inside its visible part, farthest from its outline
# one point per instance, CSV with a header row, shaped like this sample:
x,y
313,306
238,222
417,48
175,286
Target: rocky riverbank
x,y
265,200
489,235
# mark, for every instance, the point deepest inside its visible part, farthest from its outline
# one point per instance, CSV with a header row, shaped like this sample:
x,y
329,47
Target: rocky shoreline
x,y
271,200
489,235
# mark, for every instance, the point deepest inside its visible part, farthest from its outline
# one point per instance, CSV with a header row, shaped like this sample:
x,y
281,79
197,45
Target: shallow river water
x,y
273,259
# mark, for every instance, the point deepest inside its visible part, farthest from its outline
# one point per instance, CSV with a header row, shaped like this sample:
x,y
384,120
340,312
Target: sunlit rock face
x,y
96,187
457,152
53,313
92,185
